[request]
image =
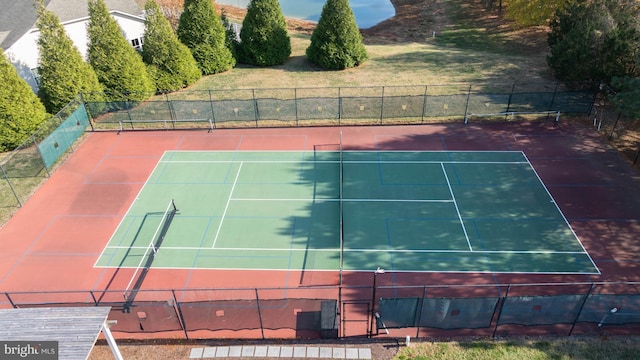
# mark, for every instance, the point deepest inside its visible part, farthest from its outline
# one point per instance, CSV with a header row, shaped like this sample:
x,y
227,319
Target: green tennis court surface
x,y
402,211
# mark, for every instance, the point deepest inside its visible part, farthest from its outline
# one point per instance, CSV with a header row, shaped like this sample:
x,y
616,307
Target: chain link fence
x,y
27,166
317,312
337,106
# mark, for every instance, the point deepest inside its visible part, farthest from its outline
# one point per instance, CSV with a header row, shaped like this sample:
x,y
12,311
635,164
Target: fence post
x,y
500,307
553,97
259,314
513,88
382,105
339,106
176,308
213,114
10,301
424,293
169,106
295,103
614,126
424,102
33,139
256,111
466,107
95,301
581,307
6,177
85,111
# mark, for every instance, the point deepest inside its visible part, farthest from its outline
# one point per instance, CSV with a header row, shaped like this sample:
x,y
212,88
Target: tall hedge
x,y
201,29
63,72
336,42
169,61
21,112
117,64
264,40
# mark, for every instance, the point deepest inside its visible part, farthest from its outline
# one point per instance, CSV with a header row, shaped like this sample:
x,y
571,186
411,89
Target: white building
x,y
19,36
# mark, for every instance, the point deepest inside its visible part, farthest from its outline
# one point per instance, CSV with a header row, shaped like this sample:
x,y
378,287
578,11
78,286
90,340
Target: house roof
x,y
18,17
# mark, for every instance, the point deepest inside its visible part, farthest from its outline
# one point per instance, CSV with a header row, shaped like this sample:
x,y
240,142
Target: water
x,y
367,12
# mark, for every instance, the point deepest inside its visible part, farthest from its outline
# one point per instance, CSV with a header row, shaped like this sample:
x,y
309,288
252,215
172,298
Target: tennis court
x,y
414,211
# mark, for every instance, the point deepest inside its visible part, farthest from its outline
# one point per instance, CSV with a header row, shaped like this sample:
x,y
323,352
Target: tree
x,y
595,40
201,29
627,97
264,40
21,112
117,64
336,42
170,62
231,36
63,72
533,12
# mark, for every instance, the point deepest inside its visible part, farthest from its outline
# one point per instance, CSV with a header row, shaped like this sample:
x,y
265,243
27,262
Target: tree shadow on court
x,y
538,140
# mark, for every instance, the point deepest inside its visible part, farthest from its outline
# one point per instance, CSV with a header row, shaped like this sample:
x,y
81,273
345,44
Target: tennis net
x,y
149,253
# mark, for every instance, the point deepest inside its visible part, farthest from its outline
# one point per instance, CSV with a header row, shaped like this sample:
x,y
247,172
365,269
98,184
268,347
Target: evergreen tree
x,y
170,62
595,40
336,42
264,40
117,64
21,112
202,31
627,97
63,72
231,36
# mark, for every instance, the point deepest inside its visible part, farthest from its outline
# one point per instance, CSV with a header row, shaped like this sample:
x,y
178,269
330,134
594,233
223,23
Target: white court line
x,y
350,200
548,252
561,213
235,181
455,203
130,207
345,161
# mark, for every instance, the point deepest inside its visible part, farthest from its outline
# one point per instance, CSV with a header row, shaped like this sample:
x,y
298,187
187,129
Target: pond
x,y
367,12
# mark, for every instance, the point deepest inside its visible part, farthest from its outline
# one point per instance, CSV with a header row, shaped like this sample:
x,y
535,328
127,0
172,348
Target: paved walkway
x,y
258,351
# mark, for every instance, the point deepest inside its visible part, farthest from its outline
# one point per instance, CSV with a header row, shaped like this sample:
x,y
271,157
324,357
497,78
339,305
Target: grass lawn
x,y
562,348
470,46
